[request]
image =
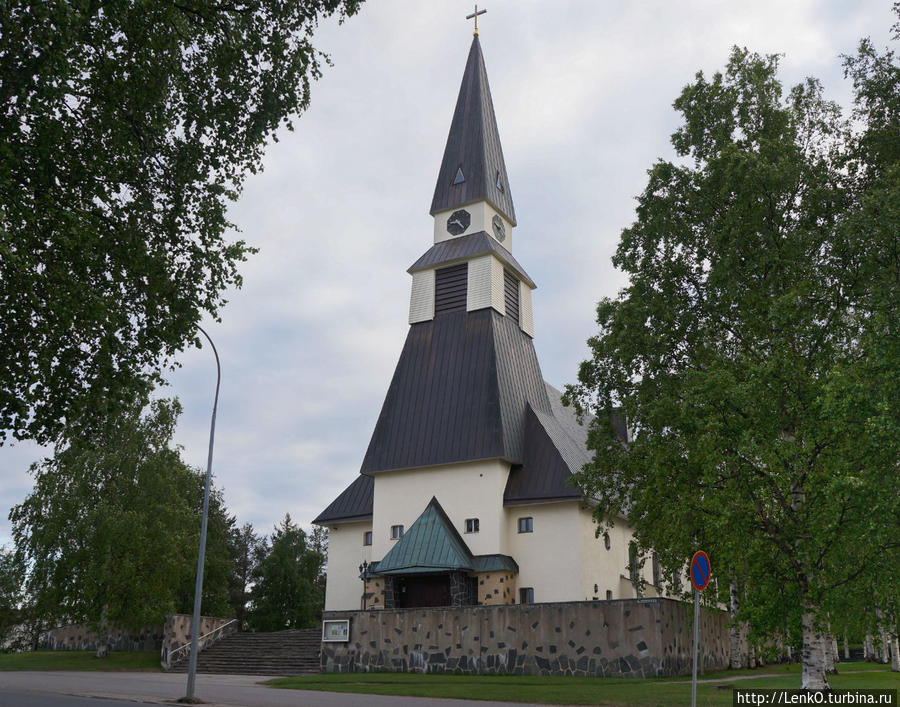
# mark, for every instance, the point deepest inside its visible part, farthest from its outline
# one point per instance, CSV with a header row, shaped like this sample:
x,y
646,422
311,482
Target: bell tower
x,y
471,266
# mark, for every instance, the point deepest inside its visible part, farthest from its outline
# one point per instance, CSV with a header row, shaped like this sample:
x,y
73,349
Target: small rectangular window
x,y
367,537
526,595
396,532
608,594
526,525
471,525
657,571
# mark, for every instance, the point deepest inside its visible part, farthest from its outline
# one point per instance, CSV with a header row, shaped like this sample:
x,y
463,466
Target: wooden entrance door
x,y
425,590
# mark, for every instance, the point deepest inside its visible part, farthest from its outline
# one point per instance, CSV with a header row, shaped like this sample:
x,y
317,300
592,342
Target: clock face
x,y
458,222
499,228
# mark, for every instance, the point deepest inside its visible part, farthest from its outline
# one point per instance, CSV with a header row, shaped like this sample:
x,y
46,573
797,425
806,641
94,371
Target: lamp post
x,y
363,568
198,588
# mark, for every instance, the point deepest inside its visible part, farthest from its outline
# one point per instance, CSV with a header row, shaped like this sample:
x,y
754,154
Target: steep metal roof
x,y
555,448
473,149
353,504
459,393
549,461
466,247
431,544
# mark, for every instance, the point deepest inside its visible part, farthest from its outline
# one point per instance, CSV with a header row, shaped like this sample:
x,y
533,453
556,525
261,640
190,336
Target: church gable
x,y
431,544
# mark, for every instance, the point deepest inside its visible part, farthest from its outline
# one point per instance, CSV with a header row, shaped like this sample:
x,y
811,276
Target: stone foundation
x,y
619,638
496,588
76,637
177,632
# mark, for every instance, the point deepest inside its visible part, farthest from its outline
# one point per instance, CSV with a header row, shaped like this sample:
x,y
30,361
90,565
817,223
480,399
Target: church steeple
x,y
473,168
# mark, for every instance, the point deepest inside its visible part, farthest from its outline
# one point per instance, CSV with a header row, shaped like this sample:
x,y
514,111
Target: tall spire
x,y
473,166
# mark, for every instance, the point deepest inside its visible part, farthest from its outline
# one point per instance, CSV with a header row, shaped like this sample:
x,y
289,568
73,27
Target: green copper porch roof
x,y
431,544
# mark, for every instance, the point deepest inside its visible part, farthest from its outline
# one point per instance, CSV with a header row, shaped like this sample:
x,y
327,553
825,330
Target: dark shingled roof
x,y
354,503
551,456
473,146
554,447
464,248
459,393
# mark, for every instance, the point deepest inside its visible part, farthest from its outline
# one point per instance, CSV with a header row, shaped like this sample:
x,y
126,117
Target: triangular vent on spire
x,y
460,177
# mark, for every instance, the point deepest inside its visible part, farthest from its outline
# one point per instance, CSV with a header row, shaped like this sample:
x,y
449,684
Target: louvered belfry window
x,y
511,292
450,288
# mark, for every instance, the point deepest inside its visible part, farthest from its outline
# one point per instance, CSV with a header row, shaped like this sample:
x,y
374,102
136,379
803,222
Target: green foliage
x,y
126,129
110,531
755,349
285,594
12,586
246,549
219,560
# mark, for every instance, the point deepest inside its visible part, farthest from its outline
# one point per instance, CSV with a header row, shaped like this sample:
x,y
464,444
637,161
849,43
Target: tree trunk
x,y
895,653
846,648
812,676
827,655
885,650
736,632
867,647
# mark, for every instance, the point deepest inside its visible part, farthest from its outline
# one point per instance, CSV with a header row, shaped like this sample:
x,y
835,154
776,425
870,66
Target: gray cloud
x,y
583,93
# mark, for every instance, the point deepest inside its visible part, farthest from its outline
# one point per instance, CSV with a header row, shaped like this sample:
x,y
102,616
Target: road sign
x,y
700,574
700,570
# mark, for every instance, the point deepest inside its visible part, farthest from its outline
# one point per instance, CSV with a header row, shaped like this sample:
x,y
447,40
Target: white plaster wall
x,y
345,553
421,300
549,557
526,313
482,214
603,567
470,490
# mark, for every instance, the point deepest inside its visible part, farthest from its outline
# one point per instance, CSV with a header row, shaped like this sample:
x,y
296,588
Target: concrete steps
x,y
293,652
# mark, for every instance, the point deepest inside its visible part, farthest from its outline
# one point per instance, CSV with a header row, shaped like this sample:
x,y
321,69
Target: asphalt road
x,y
99,689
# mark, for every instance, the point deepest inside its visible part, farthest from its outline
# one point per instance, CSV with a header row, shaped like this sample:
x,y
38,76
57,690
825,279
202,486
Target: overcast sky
x,y
583,93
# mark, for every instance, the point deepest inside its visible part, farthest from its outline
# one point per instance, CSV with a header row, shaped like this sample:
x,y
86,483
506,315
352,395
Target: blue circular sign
x,y
700,570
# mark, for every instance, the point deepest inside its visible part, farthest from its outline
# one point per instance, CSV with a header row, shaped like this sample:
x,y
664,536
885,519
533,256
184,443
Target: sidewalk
x,y
216,690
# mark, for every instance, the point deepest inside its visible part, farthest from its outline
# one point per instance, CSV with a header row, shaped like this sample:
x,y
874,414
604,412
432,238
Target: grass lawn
x,y
577,691
80,660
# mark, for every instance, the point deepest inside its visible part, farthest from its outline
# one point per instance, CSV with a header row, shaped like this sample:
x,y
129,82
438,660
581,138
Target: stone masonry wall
x,y
496,588
77,637
177,632
619,638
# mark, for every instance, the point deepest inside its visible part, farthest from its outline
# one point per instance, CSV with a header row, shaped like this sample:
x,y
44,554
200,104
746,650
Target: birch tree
x,y
754,350
126,130
109,534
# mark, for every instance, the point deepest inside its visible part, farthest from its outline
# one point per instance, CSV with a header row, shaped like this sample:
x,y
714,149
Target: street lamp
x,y
362,573
198,589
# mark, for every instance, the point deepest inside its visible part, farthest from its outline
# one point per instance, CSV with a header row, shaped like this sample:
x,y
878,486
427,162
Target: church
x,y
463,496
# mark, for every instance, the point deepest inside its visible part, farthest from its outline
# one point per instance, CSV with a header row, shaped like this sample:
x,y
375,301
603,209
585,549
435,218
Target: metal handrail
x,y
205,635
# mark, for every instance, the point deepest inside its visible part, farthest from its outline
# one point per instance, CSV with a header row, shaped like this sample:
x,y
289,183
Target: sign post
x,y
700,574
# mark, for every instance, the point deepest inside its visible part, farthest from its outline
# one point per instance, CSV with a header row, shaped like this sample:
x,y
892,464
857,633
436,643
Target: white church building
x,y
464,494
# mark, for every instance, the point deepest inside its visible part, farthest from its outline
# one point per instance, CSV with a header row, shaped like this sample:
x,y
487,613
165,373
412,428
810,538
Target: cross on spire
x,y
474,16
